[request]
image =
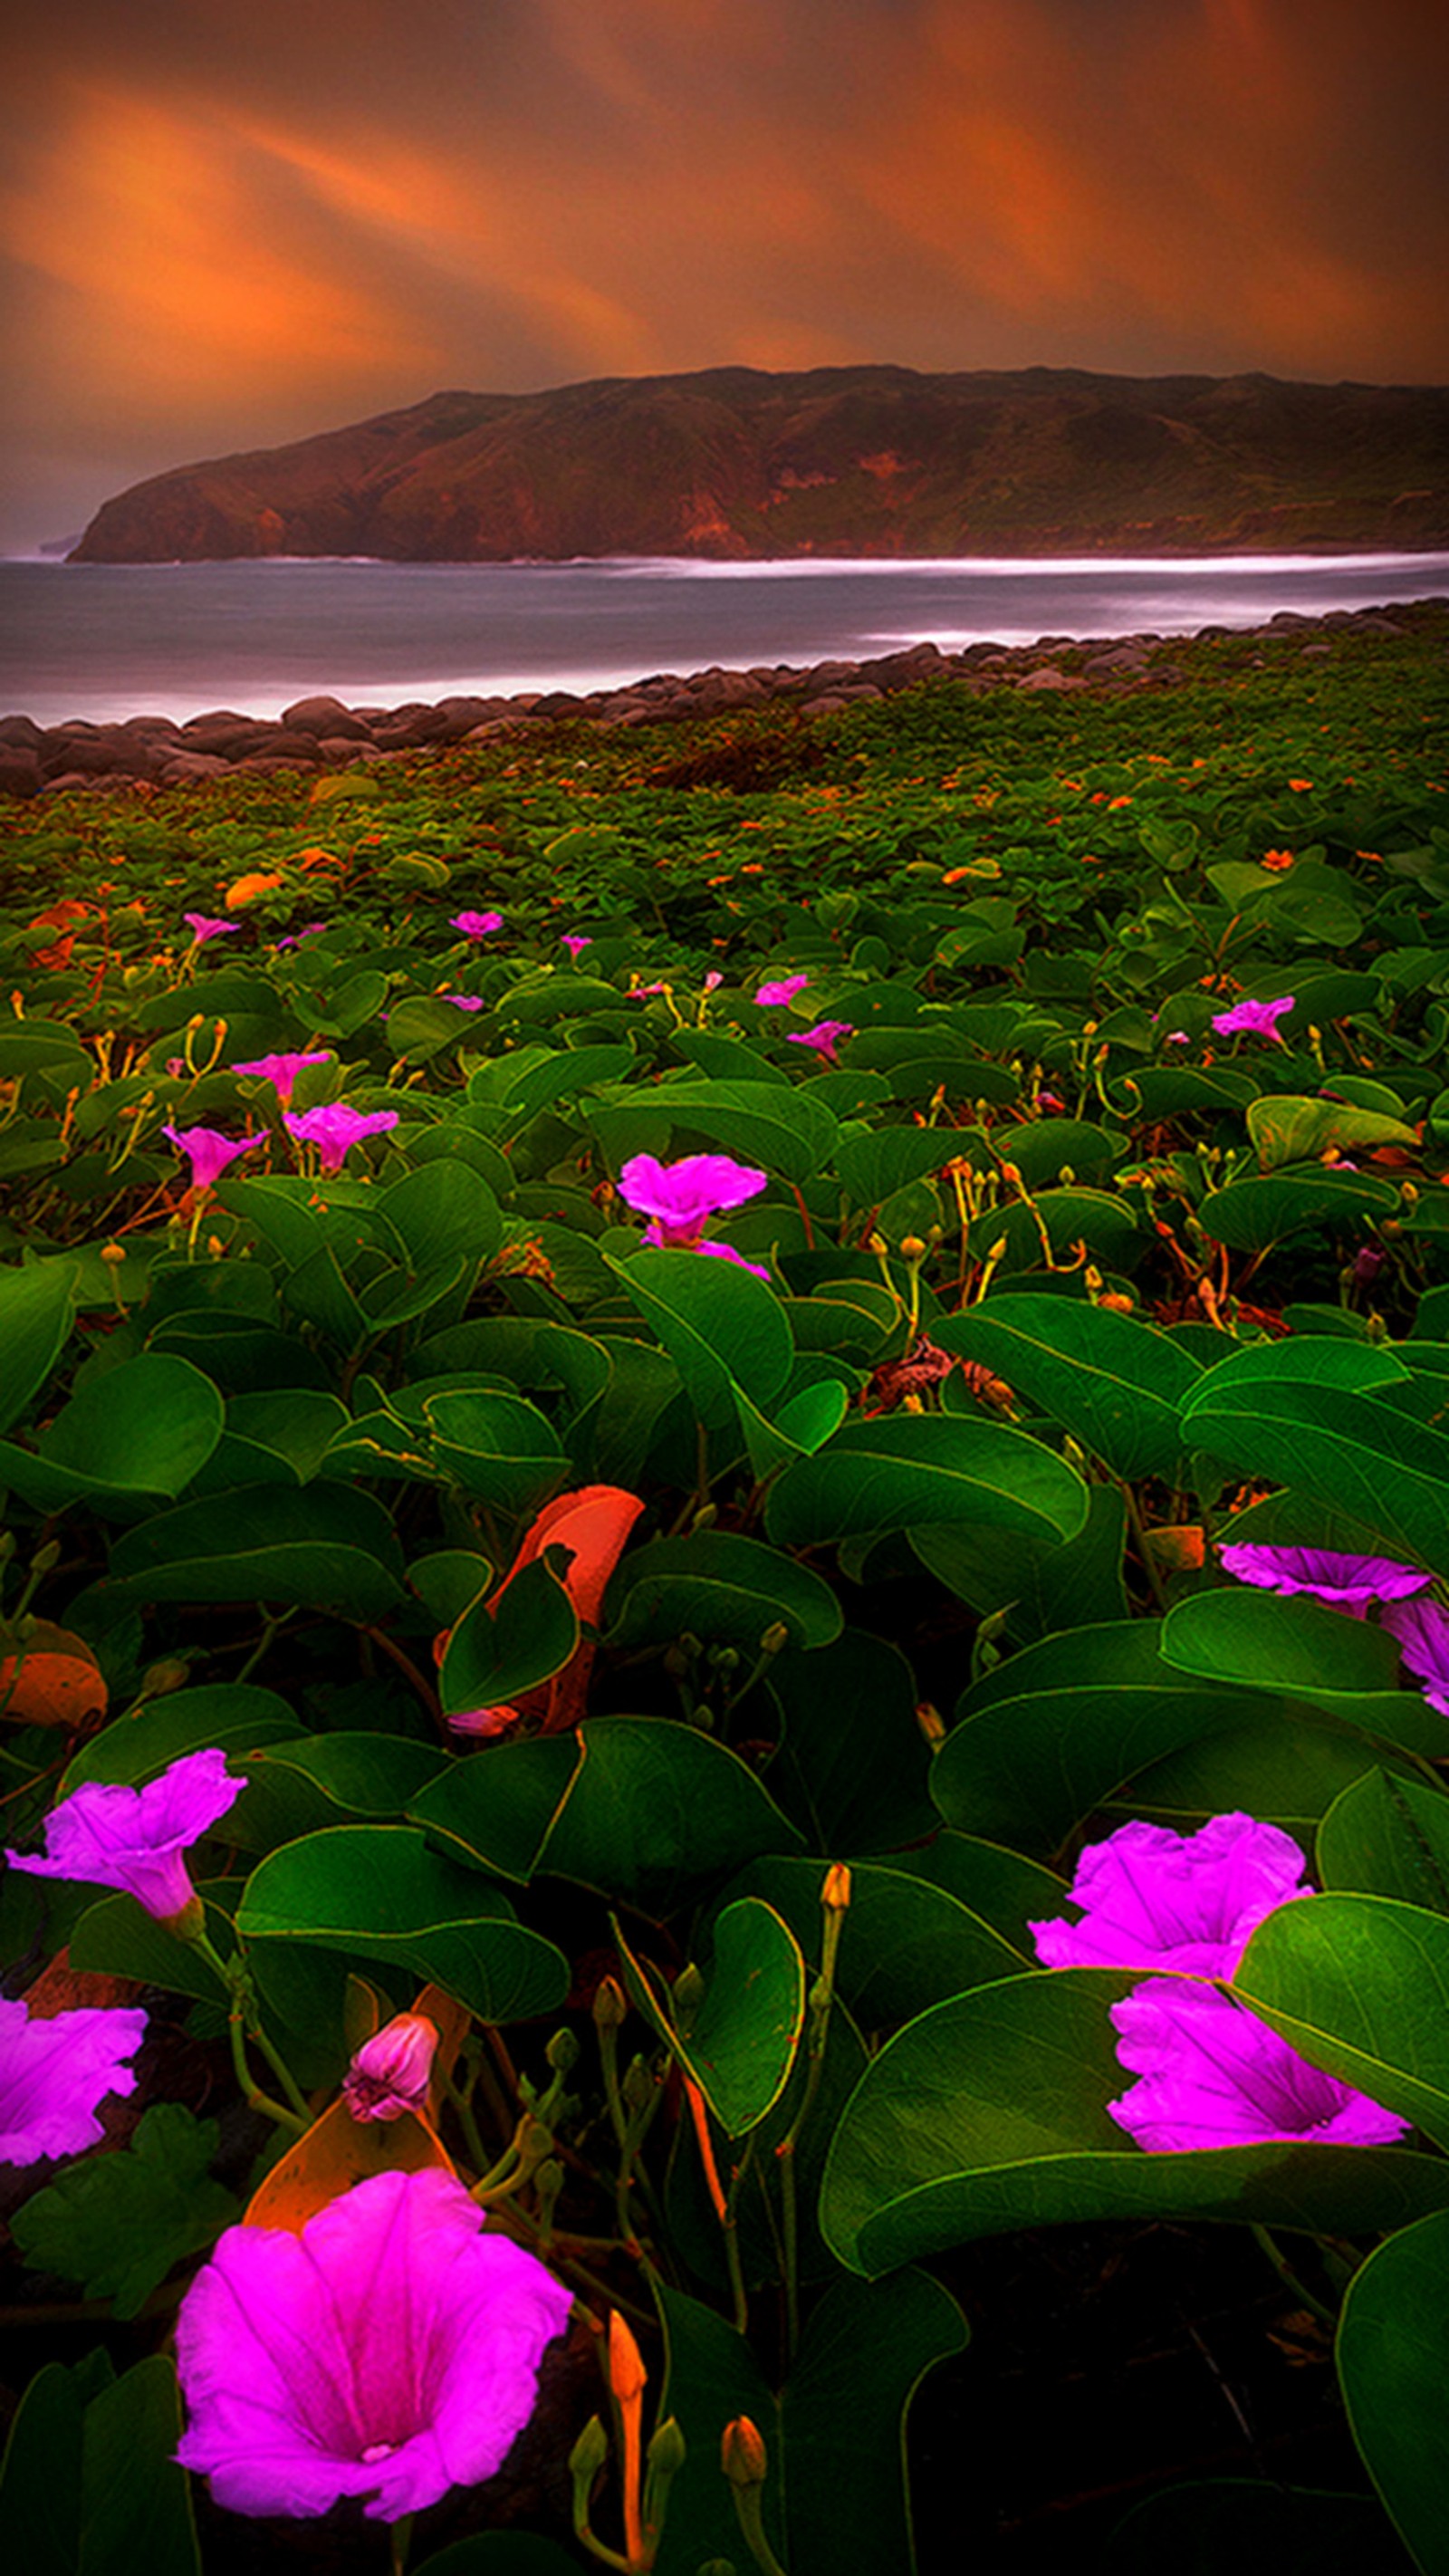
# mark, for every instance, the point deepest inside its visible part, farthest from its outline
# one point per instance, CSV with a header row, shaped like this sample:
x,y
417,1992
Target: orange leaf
x,y
337,2152
594,1522
54,1681
245,890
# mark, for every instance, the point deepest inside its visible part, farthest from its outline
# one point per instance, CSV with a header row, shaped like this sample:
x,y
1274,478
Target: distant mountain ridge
x,y
735,464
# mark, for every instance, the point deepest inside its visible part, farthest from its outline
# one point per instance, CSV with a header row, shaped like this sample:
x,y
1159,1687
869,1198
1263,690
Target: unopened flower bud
x,y
688,1994
742,2453
626,2372
391,2072
912,1248
113,1253
160,1679
562,2052
931,1723
586,2459
775,1639
610,2005
835,1894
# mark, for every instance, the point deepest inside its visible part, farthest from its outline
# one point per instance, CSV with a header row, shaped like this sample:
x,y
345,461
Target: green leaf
x,y
852,1766
1363,1458
117,2223
645,1810
501,2553
873,1163
498,1447
1393,2361
1289,1128
1251,1215
1271,1642
313,1781
904,1943
718,1585
40,2480
904,1471
1116,1385
722,1327
1360,1985
499,1649
322,1547
444,1212
741,2042
760,1122
1068,1723
141,1430
378,1892
136,2511
1208,2524
989,2114
118,1938
836,2494
1038,1586
1388,1837
139,1742
37,1308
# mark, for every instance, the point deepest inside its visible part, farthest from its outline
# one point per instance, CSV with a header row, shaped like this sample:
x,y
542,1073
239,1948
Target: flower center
x,y
379,2451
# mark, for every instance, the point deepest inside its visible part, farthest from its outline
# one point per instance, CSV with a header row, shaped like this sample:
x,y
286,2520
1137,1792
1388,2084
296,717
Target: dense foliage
x,y
574,1606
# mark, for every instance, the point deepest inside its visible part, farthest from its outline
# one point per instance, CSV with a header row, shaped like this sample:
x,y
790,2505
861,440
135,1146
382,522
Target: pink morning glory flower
x,y
310,931
210,1151
773,996
334,1129
1152,1898
1344,1582
1253,1019
712,981
465,1001
390,2351
1422,1629
825,1037
1213,2076
281,1071
476,925
205,925
137,1839
575,942
55,2073
390,2073
679,1196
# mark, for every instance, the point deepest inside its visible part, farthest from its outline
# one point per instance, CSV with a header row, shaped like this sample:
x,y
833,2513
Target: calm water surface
x,y
106,641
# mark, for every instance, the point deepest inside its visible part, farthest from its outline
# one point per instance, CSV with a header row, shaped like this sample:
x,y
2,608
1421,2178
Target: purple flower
x,y
1422,1629
281,1071
825,1037
712,981
773,996
390,2351
465,1001
137,1839
309,932
718,1252
1344,1582
679,1196
575,941
210,1151
334,1129
204,926
390,2072
1152,1898
55,2073
476,925
1213,2076
1253,1019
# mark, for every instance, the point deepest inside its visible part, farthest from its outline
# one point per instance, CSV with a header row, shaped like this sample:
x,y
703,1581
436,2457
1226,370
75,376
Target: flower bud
x,y
626,2372
835,1894
742,2453
611,2004
391,2072
170,1674
562,2052
775,1639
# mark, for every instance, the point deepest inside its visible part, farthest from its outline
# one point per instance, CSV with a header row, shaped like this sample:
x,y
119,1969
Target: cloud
x,y
228,227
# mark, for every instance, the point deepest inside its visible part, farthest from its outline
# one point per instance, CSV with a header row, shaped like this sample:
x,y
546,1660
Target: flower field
x,y
724,1468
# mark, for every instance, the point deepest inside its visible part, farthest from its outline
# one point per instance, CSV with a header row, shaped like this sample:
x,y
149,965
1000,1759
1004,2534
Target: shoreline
x,y
320,732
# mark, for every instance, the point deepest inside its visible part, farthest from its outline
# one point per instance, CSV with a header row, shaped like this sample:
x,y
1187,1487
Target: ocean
x,y
106,641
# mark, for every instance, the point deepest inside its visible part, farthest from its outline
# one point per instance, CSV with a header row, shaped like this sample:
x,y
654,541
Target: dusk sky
x,y
223,226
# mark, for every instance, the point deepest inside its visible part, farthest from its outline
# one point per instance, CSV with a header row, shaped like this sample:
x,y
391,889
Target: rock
x,y
19,770
318,716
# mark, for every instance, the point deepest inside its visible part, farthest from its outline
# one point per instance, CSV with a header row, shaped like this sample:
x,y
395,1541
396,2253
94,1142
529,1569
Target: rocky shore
x,y
320,733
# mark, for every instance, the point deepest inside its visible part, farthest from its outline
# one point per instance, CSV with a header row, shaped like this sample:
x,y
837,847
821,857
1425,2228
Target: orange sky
x,y
224,226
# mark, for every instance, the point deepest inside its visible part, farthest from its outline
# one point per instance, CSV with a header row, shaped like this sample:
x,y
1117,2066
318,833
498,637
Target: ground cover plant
x,y
726,1623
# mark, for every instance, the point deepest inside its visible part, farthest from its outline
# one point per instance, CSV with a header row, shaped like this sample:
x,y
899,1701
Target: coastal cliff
x,y
854,461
